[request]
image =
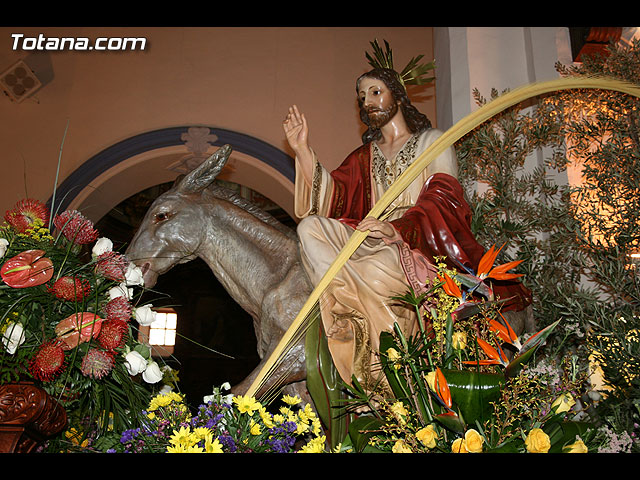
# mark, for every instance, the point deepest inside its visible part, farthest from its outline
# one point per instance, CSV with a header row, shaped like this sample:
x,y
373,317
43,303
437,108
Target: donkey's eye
x,y
161,217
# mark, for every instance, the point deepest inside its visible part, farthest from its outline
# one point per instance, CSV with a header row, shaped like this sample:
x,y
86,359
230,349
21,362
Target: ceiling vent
x,y
19,82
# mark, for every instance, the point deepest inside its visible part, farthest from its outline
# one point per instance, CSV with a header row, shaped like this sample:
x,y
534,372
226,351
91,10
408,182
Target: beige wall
x,y
241,79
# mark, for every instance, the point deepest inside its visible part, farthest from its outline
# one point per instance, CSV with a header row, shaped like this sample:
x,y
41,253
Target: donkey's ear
x,y
202,176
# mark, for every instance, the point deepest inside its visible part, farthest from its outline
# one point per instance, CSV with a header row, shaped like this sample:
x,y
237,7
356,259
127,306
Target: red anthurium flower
x,y
450,287
78,328
487,270
27,269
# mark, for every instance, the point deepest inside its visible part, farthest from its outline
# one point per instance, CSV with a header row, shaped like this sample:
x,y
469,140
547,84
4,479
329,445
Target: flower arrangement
x,y
66,315
223,424
466,384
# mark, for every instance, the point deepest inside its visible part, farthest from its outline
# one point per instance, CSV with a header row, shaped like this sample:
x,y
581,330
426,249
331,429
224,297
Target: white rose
x,y
144,315
4,243
165,390
102,245
135,363
13,337
133,276
121,291
152,373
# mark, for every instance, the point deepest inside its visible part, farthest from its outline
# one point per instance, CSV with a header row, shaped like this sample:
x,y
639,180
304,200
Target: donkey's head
x,y
173,227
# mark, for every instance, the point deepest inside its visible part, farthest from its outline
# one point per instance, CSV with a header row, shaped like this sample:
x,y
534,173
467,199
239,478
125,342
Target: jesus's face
x,y
377,101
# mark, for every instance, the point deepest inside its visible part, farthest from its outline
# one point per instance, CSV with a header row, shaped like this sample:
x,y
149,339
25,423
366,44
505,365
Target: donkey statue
x,y
253,256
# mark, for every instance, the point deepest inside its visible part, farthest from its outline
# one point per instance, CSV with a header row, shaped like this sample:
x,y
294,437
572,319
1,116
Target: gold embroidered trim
x,y
315,189
385,171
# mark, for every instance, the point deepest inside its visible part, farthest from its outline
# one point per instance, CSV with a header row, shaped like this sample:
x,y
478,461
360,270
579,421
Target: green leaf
x,y
528,350
564,433
473,392
471,282
324,382
361,430
451,421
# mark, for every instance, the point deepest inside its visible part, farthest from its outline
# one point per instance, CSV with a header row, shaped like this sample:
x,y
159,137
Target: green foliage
x,y
579,242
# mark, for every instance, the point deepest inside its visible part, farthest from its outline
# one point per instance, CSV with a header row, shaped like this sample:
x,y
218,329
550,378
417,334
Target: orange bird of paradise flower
x,y
487,270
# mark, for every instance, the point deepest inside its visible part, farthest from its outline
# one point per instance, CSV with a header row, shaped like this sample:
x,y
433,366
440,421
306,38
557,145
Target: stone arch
x,y
159,156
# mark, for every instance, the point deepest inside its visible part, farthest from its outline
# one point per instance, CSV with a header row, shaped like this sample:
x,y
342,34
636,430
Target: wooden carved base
x,y
28,416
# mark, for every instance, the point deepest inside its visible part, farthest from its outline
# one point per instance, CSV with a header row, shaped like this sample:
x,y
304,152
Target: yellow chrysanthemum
x,y
266,418
213,447
255,428
301,428
203,433
246,404
184,437
184,449
315,445
289,400
317,426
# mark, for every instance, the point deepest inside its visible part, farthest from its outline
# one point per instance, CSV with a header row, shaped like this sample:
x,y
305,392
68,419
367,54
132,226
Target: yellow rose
x,y
563,403
576,447
394,356
401,447
427,436
537,441
458,446
473,441
431,380
459,340
399,411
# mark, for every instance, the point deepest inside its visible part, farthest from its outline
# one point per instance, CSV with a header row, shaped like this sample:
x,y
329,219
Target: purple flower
x,y
281,445
129,435
228,442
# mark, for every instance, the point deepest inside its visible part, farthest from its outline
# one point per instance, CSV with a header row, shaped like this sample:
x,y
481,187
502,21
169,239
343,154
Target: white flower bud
x,y
152,373
101,246
135,363
145,315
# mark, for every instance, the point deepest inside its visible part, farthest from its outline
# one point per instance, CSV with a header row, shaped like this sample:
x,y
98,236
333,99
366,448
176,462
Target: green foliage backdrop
x,y
579,241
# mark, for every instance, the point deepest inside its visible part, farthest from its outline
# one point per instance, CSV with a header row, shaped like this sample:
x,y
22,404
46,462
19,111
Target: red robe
x,y
439,225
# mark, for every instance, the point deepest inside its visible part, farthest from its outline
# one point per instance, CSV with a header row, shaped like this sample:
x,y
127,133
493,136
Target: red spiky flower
x,y
48,362
97,363
118,308
75,227
113,334
112,265
72,289
25,213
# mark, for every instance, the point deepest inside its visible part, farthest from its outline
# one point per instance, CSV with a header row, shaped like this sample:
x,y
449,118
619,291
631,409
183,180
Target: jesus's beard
x,y
380,117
